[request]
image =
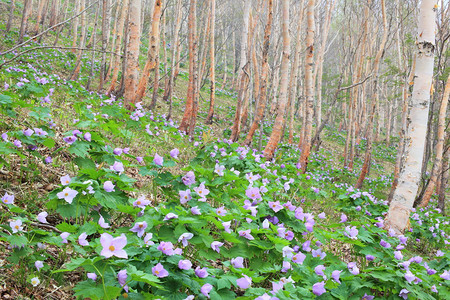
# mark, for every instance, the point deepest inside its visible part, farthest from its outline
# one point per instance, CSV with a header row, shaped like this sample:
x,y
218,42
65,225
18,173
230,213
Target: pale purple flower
x,y
404,293
117,167
385,244
8,199
321,215
189,178
139,228
246,234
67,194
335,275
40,132
158,160
65,180
34,281
108,186
353,268
370,257
434,289
205,289
82,239
299,258
202,191
398,255
266,224
351,232
445,275
17,143
218,169
87,136
159,271
76,132
221,211
185,264
113,246
102,223
343,218
216,246
141,202
48,160
319,270
185,237
201,272
64,237
237,262
147,239
166,248
70,139
287,251
92,276
275,206
5,136
318,253
244,282
170,216
174,153
122,279
439,253
185,196
319,288
195,210
118,151
28,132
254,193
16,226
286,266
367,297
38,264
227,226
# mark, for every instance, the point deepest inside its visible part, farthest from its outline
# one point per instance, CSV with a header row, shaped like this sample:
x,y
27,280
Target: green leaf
x,y
79,148
5,99
17,240
49,143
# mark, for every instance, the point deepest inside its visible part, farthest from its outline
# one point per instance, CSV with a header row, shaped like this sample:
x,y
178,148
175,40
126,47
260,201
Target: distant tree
x,y
212,67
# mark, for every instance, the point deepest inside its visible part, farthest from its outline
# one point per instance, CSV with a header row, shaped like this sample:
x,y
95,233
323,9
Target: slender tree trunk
x,y
10,15
225,48
174,48
309,86
191,106
112,57
277,129
439,146
132,66
39,16
118,41
403,200
27,7
375,95
76,71
54,12
106,15
264,76
444,180
94,31
153,52
212,73
75,23
243,73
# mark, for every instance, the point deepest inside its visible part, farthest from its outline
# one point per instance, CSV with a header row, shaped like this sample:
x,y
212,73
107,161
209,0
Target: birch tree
x,y
409,178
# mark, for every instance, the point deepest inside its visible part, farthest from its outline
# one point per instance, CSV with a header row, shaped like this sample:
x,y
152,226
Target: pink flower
x,y
141,202
216,246
184,264
65,180
38,264
226,226
201,273
122,279
139,228
202,192
159,271
244,282
246,234
67,194
166,248
82,239
174,153
299,258
205,289
92,276
185,196
8,199
185,237
195,210
64,237
170,216
16,226
275,206
253,193
108,186
113,246
102,223
158,160
221,211
42,217
237,262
